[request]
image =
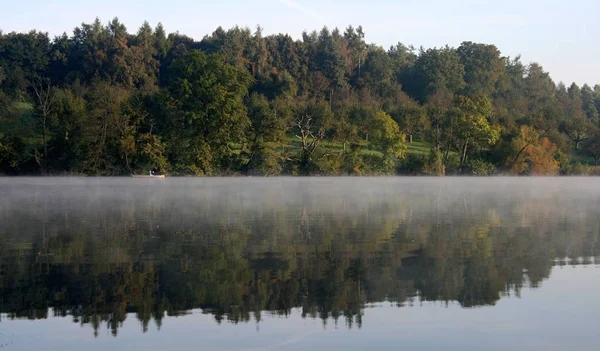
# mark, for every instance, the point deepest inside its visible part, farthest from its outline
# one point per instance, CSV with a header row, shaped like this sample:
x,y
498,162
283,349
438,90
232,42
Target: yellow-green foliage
x,y
385,136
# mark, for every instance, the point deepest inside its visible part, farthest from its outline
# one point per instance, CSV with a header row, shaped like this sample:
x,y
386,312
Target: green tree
x,y
410,116
483,67
330,59
473,128
577,129
24,58
386,137
104,129
589,107
438,69
206,114
377,71
149,152
591,147
68,142
269,124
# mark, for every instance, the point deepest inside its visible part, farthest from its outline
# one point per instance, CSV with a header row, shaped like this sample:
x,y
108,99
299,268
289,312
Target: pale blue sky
x,y
562,35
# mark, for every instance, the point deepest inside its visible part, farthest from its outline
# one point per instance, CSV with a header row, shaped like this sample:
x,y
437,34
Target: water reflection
x,y
97,250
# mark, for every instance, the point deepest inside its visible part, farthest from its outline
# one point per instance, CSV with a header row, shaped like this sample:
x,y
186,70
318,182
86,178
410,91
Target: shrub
x,y
411,165
482,168
434,164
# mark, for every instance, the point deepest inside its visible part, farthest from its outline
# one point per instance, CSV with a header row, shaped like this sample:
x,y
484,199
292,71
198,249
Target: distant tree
x,y
206,112
542,158
269,124
105,128
473,127
403,57
377,71
385,136
483,67
44,98
357,51
597,97
539,86
577,129
150,153
69,142
161,44
527,137
24,58
310,124
346,124
533,154
589,107
438,69
510,98
591,147
411,118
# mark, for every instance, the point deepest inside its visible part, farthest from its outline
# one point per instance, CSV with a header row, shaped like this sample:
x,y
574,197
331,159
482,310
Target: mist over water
x,y
262,257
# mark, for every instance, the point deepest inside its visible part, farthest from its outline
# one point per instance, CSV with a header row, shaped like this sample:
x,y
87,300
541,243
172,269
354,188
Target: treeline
x,y
104,101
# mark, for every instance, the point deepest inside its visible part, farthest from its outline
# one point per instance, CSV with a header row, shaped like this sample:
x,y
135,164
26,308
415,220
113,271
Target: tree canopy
x,y
105,100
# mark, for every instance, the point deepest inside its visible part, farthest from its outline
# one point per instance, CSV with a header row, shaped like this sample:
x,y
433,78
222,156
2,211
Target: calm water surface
x,y
300,263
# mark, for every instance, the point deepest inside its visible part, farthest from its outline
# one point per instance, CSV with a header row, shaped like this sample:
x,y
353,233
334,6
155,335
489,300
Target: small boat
x,y
147,176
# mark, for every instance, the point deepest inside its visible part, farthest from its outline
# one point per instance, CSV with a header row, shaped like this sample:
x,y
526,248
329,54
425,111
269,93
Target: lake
x,y
299,263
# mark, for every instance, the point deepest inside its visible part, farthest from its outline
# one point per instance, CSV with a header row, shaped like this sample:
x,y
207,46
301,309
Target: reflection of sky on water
x,y
561,314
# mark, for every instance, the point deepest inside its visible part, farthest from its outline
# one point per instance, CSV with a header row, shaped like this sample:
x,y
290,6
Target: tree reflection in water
x,y
98,250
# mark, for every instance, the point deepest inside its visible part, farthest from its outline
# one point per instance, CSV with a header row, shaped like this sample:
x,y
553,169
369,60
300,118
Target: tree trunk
x,y
410,138
331,98
518,155
463,158
45,102
437,140
44,133
127,162
447,151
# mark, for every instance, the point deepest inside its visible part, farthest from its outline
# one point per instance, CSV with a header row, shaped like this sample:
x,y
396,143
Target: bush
x,y
412,164
266,162
579,169
374,165
482,168
434,164
452,163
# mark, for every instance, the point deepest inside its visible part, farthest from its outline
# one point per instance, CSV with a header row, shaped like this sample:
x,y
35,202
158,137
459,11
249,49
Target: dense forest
x,y
104,101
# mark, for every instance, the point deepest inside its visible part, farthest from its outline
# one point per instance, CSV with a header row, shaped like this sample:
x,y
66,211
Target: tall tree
x,y
438,69
385,136
269,124
589,107
206,113
577,129
473,128
44,98
483,67
310,123
591,147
